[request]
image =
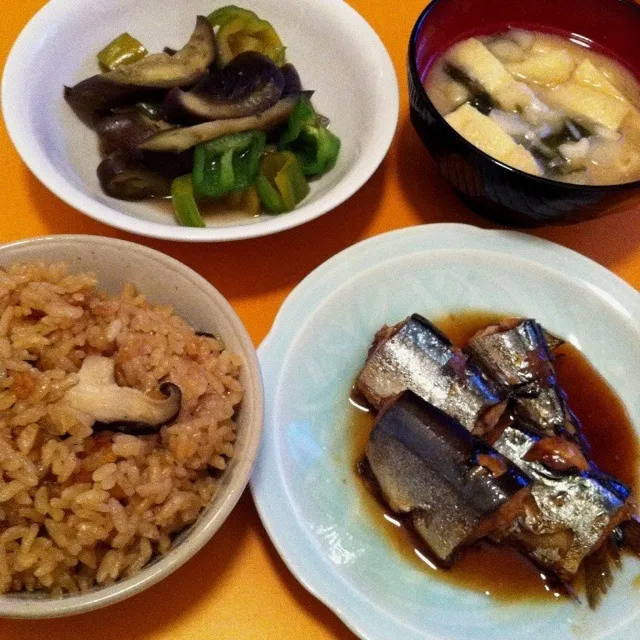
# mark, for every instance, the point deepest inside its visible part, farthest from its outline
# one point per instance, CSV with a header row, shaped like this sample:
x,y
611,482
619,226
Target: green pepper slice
x,y
315,146
125,49
221,16
248,33
226,164
281,184
185,207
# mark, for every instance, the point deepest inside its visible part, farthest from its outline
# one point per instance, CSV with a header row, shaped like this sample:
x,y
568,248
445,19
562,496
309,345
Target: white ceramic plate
x,y
336,52
165,281
304,484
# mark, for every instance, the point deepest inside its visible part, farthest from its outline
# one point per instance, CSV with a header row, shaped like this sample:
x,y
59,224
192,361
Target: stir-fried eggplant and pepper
x,y
222,121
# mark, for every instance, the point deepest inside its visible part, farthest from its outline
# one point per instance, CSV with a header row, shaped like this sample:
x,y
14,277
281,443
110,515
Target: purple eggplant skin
x,y
126,177
292,82
250,84
158,71
127,129
183,138
429,467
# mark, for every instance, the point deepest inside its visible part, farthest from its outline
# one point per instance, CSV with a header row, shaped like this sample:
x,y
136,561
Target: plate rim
x,y
359,257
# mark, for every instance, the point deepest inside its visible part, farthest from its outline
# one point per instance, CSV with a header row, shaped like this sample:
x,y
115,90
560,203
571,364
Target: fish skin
x,y
418,357
547,410
426,466
516,357
520,359
587,505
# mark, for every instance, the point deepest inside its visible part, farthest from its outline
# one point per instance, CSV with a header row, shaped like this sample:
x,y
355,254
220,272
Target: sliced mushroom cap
x,y
178,140
156,71
248,85
120,408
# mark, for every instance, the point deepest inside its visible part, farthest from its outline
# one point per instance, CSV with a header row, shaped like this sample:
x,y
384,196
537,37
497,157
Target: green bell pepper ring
x,y
125,49
315,146
281,184
317,150
248,34
226,164
184,204
302,114
221,16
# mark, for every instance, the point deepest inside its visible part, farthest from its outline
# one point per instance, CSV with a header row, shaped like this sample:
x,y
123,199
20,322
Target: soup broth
x,y
543,104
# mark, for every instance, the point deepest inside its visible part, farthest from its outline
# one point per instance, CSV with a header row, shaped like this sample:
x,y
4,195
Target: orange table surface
x,y
237,586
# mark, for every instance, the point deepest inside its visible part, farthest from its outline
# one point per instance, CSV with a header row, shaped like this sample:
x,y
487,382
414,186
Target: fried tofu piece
x,y
484,133
472,57
587,74
588,104
548,69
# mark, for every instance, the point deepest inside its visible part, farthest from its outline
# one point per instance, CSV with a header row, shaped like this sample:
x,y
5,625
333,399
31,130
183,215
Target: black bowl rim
x,y
417,82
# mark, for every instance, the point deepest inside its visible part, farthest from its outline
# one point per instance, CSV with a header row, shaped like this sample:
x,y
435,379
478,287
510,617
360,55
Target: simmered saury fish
x,y
415,355
453,486
577,506
515,354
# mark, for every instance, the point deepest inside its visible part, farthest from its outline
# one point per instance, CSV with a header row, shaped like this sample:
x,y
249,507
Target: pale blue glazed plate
x,y
304,485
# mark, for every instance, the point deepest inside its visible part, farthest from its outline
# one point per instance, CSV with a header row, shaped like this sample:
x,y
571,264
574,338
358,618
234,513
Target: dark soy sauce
x,y
499,571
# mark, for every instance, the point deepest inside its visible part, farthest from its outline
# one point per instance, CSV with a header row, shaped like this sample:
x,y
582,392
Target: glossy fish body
x,y
453,487
517,356
416,356
574,512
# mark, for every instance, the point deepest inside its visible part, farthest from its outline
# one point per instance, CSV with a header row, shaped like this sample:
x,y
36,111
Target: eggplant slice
x,y
125,177
181,139
157,71
453,487
128,129
415,355
250,84
292,82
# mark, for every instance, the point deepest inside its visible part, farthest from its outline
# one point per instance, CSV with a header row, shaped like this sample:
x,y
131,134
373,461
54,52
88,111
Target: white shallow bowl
x,y
304,482
165,281
336,52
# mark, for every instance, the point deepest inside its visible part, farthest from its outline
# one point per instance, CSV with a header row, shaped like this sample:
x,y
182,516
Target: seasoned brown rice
x,y
78,508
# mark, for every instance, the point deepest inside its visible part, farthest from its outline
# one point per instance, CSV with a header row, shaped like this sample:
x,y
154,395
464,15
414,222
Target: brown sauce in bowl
x,y
498,571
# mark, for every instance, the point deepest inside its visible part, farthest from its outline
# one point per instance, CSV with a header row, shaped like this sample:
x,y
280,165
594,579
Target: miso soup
x,y
543,104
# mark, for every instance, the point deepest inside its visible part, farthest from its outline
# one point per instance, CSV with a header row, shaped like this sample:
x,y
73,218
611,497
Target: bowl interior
x,y
166,282
320,37
611,25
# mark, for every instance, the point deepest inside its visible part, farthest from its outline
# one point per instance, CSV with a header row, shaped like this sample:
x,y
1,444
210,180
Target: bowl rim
x,y
19,606
548,182
15,103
